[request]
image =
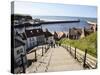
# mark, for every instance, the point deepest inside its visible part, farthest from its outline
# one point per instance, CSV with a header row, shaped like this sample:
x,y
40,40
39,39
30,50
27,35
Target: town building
x,y
93,26
49,37
20,59
76,33
35,37
59,35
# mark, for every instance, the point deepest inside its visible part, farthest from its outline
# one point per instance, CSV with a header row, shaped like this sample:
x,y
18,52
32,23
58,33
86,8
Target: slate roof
x,y
18,43
21,35
34,32
26,25
48,34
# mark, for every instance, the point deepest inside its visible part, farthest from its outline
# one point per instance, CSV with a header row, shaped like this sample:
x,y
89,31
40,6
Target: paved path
x,y
56,59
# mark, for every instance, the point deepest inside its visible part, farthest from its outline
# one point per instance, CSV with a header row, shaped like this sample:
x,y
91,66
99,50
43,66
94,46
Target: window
x,y
19,51
32,39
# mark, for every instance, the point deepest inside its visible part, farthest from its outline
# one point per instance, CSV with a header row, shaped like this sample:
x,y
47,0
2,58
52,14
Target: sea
x,y
63,27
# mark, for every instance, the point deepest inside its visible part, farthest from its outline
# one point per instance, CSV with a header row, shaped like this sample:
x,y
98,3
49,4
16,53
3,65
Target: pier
x,y
52,22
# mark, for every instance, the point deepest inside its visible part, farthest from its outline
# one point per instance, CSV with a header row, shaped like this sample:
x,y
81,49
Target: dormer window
x,y
37,30
31,31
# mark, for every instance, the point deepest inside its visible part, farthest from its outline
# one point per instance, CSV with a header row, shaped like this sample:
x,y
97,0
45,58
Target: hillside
x,y
89,43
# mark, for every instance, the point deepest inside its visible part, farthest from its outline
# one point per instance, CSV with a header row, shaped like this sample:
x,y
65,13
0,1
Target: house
x,y
20,59
93,26
34,37
59,35
23,37
49,37
21,31
76,33
17,19
66,34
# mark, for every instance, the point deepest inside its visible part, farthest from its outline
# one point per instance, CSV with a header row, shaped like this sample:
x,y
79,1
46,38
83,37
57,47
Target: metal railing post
x,y
35,56
70,48
96,65
75,52
84,62
42,50
23,66
67,47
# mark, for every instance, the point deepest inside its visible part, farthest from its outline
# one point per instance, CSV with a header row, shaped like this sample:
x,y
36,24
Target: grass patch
x,y
89,42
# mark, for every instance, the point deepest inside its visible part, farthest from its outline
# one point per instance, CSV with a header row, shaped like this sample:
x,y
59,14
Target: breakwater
x,y
52,22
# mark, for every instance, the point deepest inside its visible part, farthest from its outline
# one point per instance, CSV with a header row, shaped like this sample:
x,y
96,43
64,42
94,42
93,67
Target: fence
x,y
21,62
42,49
87,60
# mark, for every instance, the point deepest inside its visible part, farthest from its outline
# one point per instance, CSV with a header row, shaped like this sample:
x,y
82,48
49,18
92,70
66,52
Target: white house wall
x,y
17,56
41,38
32,41
28,42
51,39
18,59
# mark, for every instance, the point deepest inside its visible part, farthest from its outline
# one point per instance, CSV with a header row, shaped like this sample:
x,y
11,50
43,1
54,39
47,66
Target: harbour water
x,y
64,26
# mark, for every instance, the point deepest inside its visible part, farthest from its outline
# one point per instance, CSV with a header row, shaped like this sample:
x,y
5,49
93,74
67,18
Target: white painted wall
x,y
32,41
41,39
17,56
51,38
